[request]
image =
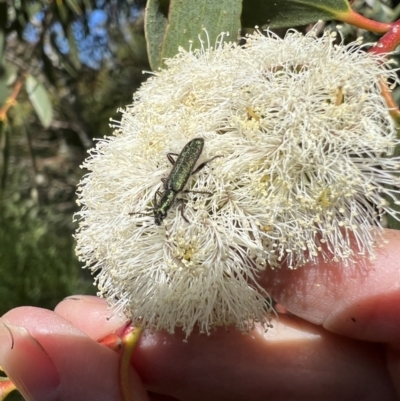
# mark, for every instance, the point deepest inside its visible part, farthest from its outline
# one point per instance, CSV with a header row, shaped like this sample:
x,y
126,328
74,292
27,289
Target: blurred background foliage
x,y
66,66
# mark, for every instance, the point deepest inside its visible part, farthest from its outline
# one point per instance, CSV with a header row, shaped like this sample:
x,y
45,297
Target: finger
x,y
47,345
160,397
91,315
170,366
360,301
294,360
15,344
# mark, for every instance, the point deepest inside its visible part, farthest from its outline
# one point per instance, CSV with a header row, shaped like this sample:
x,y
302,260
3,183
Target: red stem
x,y
353,18
11,100
388,42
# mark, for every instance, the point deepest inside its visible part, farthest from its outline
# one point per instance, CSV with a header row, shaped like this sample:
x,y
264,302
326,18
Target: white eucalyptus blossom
x,y
305,141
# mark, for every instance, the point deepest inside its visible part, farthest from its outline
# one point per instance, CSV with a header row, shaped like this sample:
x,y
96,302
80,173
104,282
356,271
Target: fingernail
x,y
89,299
27,365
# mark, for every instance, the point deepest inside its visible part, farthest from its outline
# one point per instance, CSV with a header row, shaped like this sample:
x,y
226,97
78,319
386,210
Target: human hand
x,y
343,344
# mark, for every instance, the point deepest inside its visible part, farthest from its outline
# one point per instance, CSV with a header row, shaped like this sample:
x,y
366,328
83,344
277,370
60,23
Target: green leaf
x,y
73,49
391,221
2,37
32,8
11,74
185,22
289,13
3,89
74,6
40,100
3,23
62,12
396,95
155,26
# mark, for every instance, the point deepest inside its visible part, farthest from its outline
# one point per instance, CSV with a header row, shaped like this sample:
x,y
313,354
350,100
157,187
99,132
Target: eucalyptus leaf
x,y
3,90
155,26
11,73
396,95
289,13
63,12
74,6
73,49
185,23
2,37
391,221
32,8
3,24
40,100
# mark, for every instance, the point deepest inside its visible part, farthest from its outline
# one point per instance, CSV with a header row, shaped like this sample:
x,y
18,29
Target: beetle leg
x,y
182,207
202,165
186,191
170,158
142,214
154,205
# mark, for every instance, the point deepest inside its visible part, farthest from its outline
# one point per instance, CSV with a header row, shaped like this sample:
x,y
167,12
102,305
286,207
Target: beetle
x,y
178,177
